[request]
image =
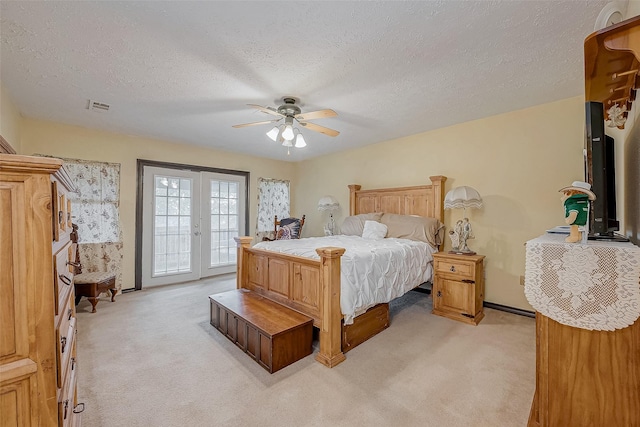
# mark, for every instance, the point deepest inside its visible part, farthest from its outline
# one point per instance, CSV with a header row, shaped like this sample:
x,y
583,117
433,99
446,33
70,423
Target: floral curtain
x,y
273,199
95,209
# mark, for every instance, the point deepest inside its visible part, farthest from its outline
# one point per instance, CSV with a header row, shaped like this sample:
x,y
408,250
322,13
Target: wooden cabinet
x,y
37,313
586,378
458,287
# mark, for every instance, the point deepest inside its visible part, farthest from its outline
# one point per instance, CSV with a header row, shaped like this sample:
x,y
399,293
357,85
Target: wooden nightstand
x,y
458,287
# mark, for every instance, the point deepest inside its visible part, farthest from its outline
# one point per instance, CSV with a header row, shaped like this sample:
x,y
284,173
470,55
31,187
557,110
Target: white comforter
x,y
372,271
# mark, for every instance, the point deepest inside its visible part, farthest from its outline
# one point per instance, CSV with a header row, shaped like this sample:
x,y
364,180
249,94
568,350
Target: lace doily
x,y
594,286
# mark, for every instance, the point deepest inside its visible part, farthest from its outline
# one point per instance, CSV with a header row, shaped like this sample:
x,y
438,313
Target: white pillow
x,y
374,230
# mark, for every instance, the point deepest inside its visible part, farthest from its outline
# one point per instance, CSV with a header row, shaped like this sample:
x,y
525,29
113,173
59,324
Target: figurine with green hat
x,y
576,199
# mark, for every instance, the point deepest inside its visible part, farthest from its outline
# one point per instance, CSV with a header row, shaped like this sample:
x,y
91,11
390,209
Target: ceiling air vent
x,y
98,106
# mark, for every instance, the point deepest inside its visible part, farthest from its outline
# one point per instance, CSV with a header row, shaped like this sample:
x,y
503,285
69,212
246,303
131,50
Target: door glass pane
x,y
224,221
161,186
161,205
233,190
185,188
172,225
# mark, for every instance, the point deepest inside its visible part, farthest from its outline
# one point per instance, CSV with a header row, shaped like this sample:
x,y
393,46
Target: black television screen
x,y
601,174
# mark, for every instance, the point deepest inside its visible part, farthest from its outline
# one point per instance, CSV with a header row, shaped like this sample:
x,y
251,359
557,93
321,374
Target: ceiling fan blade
x,y
256,123
266,110
320,114
321,129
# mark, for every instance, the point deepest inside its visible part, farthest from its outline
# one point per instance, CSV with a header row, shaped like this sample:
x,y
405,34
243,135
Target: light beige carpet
x,y
152,359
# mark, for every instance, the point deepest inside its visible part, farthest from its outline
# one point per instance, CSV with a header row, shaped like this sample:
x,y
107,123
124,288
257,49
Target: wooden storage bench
x,y
273,335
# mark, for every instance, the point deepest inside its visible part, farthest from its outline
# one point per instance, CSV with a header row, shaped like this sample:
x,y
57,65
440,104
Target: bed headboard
x,y
423,200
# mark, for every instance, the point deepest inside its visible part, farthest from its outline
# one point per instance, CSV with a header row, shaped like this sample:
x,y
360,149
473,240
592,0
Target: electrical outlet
x,y
521,280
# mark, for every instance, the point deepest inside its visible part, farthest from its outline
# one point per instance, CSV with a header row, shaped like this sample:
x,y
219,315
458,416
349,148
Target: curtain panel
x,y
95,209
273,199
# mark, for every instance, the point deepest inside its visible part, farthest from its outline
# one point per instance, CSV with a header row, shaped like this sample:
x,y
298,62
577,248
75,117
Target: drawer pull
x,y
69,313
74,264
65,279
73,363
468,281
79,408
453,268
66,406
439,294
63,344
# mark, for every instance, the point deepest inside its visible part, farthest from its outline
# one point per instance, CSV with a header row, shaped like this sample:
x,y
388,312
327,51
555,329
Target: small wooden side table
x,y
91,285
458,287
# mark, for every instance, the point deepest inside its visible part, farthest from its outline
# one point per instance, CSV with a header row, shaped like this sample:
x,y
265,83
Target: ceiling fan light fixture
x,y
287,114
273,133
287,133
300,142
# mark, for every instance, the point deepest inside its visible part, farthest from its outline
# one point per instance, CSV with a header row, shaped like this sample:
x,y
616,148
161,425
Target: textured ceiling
x,y
184,71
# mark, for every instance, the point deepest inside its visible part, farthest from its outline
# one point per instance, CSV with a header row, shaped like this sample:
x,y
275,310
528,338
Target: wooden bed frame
x,y
312,287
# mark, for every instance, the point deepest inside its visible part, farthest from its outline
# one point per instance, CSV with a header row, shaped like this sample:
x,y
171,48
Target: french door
x,y
222,220
189,221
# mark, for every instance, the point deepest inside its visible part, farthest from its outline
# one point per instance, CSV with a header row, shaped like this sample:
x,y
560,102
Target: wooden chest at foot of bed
x,y
273,335
368,324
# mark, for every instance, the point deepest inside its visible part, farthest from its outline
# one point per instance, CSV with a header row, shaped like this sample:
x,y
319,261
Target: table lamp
x,y
329,203
462,197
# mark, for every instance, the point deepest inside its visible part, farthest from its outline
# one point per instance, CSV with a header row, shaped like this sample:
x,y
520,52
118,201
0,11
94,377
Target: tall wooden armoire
x,y
38,369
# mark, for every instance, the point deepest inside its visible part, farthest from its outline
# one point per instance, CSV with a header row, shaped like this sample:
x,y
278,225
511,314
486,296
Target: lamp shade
x,y
273,133
462,198
300,142
287,133
328,203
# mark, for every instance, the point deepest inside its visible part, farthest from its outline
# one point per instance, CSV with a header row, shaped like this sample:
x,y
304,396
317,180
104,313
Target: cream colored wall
x,y
633,9
81,143
517,161
9,120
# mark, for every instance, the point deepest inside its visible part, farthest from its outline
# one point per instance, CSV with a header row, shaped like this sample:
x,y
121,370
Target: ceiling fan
x,y
289,111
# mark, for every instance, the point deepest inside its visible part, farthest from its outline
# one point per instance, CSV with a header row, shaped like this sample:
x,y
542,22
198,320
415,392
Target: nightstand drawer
x,y
459,268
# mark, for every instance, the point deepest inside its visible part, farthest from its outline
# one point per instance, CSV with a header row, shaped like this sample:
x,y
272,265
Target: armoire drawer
x,y
67,399
63,280
65,341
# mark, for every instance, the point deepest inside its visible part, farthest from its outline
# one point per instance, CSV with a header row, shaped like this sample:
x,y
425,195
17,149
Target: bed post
x,y
352,197
242,242
438,189
330,353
